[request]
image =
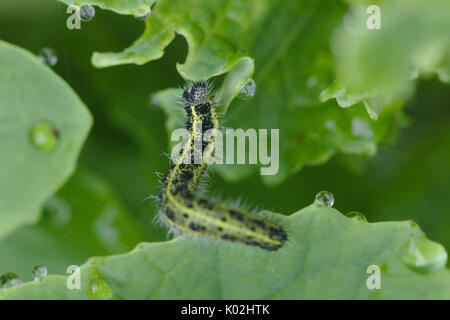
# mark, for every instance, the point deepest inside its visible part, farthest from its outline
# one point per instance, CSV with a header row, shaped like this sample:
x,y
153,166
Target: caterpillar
x,y
179,206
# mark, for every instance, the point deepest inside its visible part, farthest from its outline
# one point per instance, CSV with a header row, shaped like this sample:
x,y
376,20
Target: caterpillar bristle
x,y
196,93
182,210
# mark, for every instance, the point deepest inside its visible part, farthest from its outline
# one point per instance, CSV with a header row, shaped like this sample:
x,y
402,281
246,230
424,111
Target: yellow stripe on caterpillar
x,y
179,206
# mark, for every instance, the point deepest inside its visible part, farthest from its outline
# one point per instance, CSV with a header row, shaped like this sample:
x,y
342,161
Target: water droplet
x,y
413,224
142,13
423,255
99,290
43,136
48,56
356,215
324,199
9,280
87,13
39,272
248,90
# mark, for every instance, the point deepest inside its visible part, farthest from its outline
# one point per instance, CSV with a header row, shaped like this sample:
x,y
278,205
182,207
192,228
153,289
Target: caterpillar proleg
x,y
179,205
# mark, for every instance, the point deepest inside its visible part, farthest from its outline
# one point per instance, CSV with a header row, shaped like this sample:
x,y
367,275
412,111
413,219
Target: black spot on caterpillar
x,y
183,210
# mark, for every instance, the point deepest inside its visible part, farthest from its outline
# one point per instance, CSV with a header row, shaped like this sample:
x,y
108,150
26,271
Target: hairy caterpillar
x,y
189,214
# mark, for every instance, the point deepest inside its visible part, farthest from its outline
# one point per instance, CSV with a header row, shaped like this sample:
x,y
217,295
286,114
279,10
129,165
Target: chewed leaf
x,y
214,31
346,97
327,256
289,44
292,70
43,127
412,41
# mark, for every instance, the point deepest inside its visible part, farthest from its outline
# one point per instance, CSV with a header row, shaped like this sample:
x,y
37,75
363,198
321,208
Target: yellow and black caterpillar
x,y
189,214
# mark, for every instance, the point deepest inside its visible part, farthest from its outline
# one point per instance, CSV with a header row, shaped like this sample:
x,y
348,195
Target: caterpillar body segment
x,y
189,214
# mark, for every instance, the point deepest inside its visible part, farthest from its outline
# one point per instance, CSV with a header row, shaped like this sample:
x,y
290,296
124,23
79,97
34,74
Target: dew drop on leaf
x,y
43,136
423,255
9,280
99,290
413,224
39,272
356,215
48,56
324,199
142,13
87,13
248,90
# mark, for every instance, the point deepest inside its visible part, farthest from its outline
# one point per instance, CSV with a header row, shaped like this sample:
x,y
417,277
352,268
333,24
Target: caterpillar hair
x,y
179,205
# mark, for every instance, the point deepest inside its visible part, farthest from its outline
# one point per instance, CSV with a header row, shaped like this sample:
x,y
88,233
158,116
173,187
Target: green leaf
x,y
289,42
308,135
85,206
293,59
383,63
43,126
88,204
345,97
326,257
209,27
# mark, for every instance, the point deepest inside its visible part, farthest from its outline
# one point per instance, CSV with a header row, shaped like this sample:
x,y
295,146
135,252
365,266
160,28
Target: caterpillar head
x,y
196,93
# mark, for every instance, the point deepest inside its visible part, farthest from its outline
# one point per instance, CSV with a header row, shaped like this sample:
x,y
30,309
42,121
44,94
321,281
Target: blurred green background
x,y
406,180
